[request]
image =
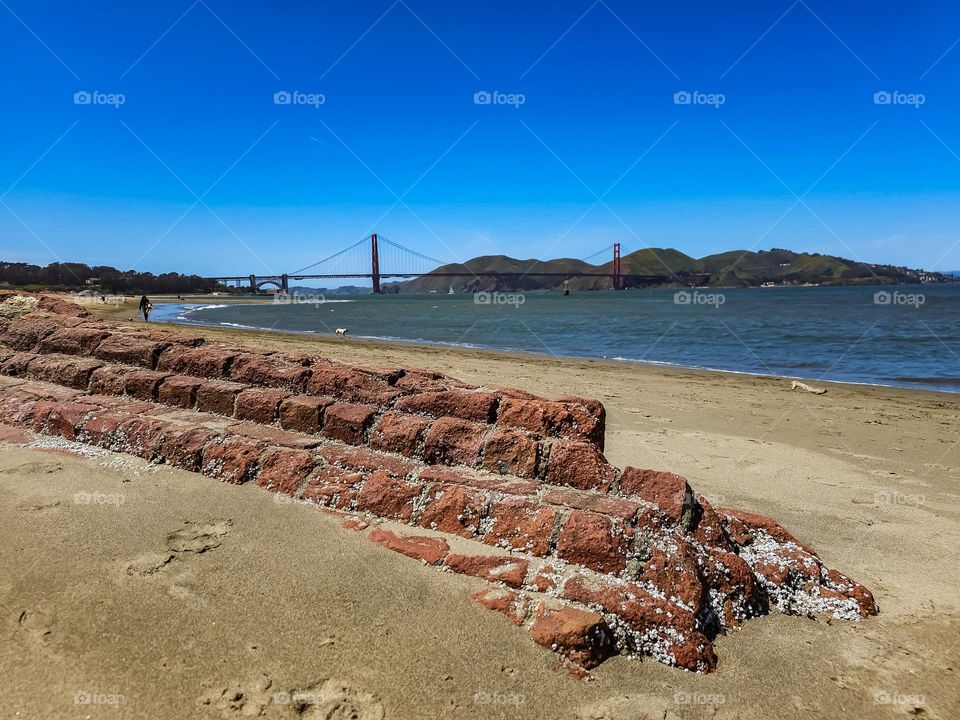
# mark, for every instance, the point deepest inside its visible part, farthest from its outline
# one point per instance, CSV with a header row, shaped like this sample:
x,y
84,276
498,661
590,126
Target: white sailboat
x,y
451,292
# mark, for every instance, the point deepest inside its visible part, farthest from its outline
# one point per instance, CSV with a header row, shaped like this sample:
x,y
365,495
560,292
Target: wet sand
x,y
192,598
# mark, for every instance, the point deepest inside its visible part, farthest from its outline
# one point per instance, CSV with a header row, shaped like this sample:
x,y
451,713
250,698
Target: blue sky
x,y
798,155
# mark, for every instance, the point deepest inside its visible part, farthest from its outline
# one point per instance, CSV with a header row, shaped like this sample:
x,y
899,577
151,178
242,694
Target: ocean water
x,y
906,336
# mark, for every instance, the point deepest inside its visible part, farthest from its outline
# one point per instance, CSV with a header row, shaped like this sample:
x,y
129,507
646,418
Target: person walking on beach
x,y
145,307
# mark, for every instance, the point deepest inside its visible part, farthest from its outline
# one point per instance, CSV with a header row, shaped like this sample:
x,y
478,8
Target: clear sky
x,y
782,144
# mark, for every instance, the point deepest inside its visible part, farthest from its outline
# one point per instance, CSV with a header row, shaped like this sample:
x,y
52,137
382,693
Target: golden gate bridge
x,y
387,259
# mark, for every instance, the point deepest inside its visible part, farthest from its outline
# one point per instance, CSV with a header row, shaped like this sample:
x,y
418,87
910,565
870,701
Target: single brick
x,y
430,550
270,371
520,524
179,391
218,396
388,497
347,422
453,509
303,413
143,384
472,405
398,433
594,541
130,350
510,452
579,464
454,442
259,404
233,460
283,469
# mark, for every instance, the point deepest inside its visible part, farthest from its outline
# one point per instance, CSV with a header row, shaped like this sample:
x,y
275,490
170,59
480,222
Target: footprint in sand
x,y
37,628
324,700
191,538
38,506
46,468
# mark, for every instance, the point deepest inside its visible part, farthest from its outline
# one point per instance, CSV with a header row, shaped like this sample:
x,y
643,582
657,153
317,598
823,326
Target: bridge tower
x,y
375,264
253,283
617,280
285,283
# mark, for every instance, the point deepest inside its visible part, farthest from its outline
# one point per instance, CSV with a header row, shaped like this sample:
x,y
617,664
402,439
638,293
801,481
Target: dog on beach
x,y
342,331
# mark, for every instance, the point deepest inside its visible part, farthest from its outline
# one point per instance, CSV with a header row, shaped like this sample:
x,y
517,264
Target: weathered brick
x,y
429,550
594,541
204,362
388,497
347,422
360,459
303,413
509,602
558,419
54,304
26,334
233,460
479,480
453,509
418,381
184,448
582,636
454,442
130,350
16,364
100,428
496,568
218,396
179,391
284,469
269,371
350,384
142,436
334,487
109,380
584,500
667,491
579,464
143,384
259,404
398,433
72,372
272,435
510,452
55,417
472,405
73,341
520,524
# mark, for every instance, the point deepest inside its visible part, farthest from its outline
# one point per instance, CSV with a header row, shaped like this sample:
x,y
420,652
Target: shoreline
x,y
374,341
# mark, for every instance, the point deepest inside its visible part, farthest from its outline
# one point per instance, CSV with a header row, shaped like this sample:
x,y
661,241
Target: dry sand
x,y
194,599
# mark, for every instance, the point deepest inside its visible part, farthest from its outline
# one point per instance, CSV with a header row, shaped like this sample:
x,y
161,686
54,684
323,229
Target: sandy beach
x,y
252,597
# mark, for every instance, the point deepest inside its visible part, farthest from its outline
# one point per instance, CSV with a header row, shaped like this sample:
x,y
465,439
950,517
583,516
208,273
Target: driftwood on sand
x,y
796,385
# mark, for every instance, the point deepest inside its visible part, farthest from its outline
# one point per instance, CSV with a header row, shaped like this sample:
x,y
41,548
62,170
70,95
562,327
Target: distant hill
x,y
735,268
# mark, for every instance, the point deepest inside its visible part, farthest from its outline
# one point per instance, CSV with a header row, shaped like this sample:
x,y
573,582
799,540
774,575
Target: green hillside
x,y
735,268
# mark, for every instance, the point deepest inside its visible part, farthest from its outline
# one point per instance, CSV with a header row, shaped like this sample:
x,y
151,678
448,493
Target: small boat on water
x,y
451,291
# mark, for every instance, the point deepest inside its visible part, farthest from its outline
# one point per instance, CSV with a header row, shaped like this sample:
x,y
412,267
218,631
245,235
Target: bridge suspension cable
x,y
365,238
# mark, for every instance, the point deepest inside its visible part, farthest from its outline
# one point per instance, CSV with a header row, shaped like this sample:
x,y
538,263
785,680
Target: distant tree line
x,y
103,278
